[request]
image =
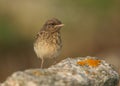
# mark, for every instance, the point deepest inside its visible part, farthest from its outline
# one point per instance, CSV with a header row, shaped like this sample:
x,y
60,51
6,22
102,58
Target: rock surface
x,y
87,71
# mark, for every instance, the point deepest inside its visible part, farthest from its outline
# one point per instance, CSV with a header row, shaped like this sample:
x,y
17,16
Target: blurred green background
x,y
92,28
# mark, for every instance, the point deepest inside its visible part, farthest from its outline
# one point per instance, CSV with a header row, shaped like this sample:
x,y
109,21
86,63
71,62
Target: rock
x,y
88,71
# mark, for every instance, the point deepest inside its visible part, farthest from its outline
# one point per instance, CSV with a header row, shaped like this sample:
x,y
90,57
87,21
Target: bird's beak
x,y
60,25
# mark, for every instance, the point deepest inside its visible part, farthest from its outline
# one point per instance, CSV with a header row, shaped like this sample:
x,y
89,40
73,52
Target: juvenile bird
x,y
48,42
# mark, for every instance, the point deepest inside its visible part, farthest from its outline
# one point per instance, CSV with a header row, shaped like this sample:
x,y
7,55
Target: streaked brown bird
x,y
48,42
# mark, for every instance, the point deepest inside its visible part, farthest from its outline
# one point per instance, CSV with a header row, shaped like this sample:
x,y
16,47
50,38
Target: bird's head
x,y
53,25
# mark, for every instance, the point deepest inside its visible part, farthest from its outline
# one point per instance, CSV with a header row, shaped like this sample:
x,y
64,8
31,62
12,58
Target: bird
x,y
48,43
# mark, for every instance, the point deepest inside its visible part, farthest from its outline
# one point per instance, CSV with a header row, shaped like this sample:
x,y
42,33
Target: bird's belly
x,y
47,50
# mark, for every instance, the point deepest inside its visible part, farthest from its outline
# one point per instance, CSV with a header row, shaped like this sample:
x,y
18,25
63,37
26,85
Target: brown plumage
x,y
48,40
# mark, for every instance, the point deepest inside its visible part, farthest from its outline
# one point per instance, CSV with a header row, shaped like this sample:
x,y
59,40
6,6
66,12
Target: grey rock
x,y
68,72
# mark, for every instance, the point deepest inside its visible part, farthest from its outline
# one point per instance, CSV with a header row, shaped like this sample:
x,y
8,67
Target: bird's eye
x,y
52,24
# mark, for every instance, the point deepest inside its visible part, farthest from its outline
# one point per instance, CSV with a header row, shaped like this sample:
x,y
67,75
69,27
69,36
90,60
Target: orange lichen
x,y
93,62
89,62
82,63
37,73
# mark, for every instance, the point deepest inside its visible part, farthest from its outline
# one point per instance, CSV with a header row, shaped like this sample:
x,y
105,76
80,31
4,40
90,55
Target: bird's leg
x,y
42,61
54,61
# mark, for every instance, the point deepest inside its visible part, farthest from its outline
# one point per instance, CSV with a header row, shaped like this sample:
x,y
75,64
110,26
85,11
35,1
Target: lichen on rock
x,y
80,71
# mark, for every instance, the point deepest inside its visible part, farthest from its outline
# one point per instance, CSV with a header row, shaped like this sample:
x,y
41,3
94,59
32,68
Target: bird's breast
x,y
48,48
